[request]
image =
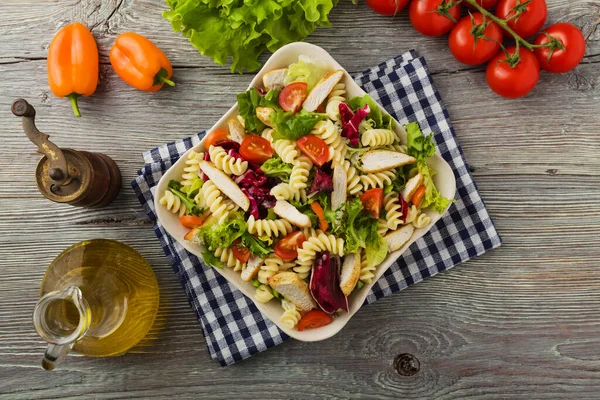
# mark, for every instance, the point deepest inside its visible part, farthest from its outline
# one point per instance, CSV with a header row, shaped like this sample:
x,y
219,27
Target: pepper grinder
x,y
78,178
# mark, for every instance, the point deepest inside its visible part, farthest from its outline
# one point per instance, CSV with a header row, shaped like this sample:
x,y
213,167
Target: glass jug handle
x,y
60,336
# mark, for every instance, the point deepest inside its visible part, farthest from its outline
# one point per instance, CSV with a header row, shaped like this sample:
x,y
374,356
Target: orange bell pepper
x,y
73,64
140,63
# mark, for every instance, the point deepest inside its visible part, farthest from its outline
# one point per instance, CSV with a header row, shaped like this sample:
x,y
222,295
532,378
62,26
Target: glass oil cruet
x,y
98,298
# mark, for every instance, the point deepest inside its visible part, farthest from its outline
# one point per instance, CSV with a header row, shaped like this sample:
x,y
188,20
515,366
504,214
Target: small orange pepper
x,y
316,207
140,63
73,64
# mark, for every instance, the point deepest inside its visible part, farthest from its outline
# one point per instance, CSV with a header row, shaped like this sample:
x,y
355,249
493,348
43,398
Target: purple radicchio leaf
x,y
325,284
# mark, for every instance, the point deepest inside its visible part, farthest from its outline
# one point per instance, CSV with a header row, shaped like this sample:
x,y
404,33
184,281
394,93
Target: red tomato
x,y
189,221
530,20
256,149
513,81
240,252
314,319
216,136
292,96
427,16
469,50
560,60
487,4
287,247
372,201
387,7
315,148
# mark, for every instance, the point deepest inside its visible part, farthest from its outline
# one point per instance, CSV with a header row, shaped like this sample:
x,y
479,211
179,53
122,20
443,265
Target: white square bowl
x,y
444,181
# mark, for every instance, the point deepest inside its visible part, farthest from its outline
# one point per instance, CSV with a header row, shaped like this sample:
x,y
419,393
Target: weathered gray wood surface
x,y
521,321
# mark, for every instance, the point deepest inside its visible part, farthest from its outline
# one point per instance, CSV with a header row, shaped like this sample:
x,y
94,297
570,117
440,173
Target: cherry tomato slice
x,y
372,201
240,252
314,319
216,136
292,96
256,149
287,247
417,198
190,221
315,148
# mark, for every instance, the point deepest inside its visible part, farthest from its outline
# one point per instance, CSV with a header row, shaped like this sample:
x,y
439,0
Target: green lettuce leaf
x,y
360,232
243,30
293,126
275,167
422,147
215,235
256,246
377,119
193,189
210,259
190,205
419,146
305,70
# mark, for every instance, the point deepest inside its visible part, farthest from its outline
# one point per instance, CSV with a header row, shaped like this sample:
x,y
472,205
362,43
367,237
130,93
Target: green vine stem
x,y
504,24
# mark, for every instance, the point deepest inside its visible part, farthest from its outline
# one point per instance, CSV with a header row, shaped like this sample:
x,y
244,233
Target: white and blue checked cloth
x,y
233,327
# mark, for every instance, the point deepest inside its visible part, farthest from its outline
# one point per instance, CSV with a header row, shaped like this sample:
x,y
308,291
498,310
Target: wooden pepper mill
x,y
78,178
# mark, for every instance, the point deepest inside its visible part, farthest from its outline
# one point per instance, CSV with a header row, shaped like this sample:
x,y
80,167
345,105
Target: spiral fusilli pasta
x,y
226,257
263,294
421,221
393,210
219,206
352,178
268,227
329,132
173,203
269,268
300,172
283,191
382,226
400,148
378,137
285,149
411,215
225,162
291,315
366,273
377,179
335,98
192,167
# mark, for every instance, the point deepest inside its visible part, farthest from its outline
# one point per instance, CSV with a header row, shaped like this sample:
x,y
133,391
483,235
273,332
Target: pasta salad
x,y
305,192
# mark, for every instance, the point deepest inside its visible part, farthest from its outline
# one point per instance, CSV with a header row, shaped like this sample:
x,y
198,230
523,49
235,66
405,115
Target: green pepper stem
x,y
167,81
73,99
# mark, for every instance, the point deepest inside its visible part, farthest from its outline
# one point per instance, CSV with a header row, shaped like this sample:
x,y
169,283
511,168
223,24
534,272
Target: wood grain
x,y
519,322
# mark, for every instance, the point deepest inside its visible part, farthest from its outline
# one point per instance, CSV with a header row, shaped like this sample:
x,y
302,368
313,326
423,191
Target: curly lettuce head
x,y
244,29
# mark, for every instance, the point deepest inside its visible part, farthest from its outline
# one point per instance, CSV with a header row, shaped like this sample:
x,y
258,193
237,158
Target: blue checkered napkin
x,y
234,329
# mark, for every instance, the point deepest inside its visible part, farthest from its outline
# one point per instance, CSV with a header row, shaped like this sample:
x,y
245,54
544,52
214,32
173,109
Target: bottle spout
x,y
61,318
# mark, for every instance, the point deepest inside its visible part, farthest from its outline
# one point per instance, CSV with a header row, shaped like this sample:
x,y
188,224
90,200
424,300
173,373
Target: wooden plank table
x,y
520,321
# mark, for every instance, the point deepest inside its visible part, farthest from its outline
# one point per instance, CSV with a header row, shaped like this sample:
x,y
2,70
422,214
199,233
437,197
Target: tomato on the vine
x,y
524,17
387,7
511,75
434,17
487,4
566,50
474,41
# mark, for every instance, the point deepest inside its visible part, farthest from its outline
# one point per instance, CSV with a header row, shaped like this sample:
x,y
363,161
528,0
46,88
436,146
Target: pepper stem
x,y
167,81
73,99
